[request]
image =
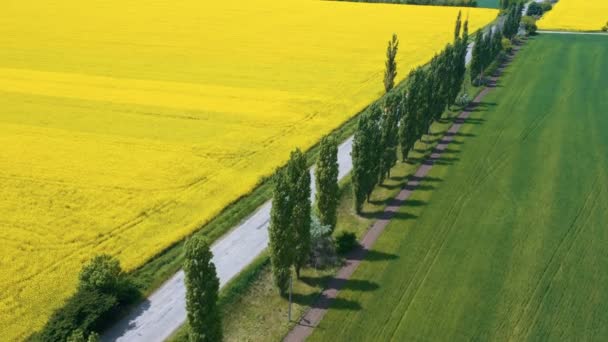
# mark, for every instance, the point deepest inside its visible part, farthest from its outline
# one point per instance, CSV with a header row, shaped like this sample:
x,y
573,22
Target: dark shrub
x,y
103,290
345,242
546,6
87,310
535,9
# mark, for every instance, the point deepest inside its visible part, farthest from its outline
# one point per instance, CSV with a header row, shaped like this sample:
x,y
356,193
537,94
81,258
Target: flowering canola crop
x,y
125,127
576,15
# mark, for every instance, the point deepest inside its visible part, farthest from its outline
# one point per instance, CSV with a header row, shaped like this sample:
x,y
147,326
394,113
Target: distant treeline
x,y
464,3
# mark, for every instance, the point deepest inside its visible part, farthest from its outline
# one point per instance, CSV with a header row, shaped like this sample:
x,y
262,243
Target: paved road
x,y
165,310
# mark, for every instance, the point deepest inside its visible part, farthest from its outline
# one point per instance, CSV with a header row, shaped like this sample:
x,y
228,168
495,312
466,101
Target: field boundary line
x,y
315,314
574,32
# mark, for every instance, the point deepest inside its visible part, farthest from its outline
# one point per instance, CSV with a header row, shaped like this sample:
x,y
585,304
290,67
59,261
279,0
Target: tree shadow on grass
x,y
401,203
479,107
442,161
350,284
320,301
474,121
374,255
378,214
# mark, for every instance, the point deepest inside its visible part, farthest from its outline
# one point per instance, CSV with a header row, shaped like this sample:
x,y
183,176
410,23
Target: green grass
x,y
511,245
488,3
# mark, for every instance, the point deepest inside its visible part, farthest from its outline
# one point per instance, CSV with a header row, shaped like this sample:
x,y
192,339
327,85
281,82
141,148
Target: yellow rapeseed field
x,y
576,15
125,124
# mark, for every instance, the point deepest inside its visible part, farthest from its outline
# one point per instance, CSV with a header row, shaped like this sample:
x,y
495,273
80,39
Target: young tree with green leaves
x,y
79,336
102,273
299,181
202,288
326,179
391,64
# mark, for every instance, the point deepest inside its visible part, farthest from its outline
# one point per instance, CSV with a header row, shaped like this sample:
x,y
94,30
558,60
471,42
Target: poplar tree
x,y
426,98
487,52
374,147
389,135
496,43
414,104
202,286
280,235
477,58
458,26
442,75
299,194
366,156
326,178
407,130
359,158
391,64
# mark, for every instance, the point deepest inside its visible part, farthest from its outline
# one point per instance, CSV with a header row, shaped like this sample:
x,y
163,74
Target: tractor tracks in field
x,y
534,301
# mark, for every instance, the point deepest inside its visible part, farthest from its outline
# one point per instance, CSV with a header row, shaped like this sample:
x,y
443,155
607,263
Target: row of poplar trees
x,y
402,119
405,115
511,25
290,216
488,46
290,239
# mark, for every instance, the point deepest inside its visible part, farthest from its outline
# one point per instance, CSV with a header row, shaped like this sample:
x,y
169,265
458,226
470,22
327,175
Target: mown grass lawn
x,y
511,243
488,3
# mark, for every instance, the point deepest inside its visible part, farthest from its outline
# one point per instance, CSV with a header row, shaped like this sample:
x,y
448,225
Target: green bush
x,y
546,6
86,311
507,46
345,242
102,291
535,9
529,24
102,273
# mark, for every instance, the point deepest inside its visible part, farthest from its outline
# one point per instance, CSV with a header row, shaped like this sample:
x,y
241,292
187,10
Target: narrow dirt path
x,y
315,314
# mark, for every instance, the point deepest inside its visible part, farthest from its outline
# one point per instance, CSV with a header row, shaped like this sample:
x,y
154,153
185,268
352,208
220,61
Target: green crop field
x,y
488,3
507,238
